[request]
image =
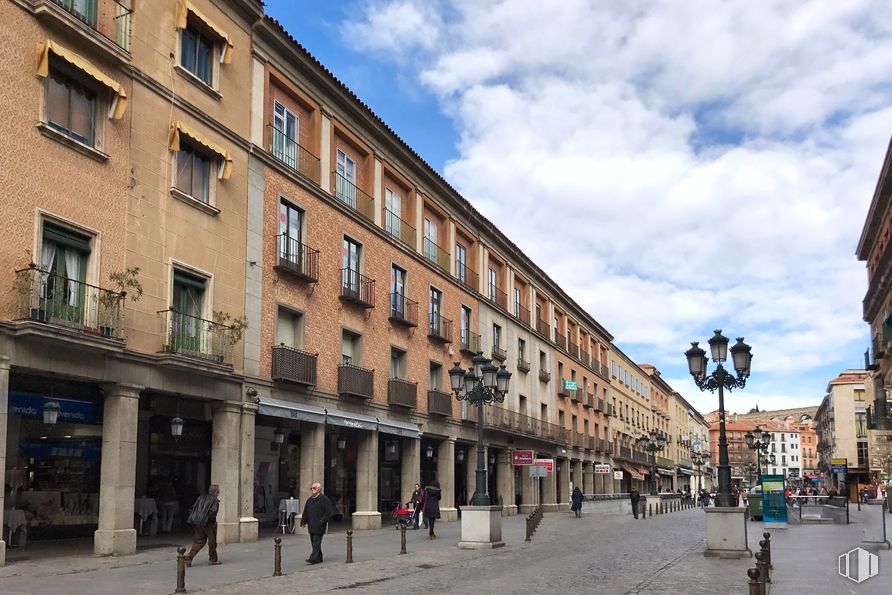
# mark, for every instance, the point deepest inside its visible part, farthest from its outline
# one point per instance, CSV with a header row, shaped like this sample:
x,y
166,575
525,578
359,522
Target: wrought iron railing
x,y
522,314
439,327
498,353
109,18
439,403
574,350
584,357
402,393
470,342
355,381
500,418
564,392
588,401
436,254
297,158
59,301
348,193
196,337
357,288
544,376
560,340
543,328
403,310
294,365
399,229
497,296
297,258
467,276
523,365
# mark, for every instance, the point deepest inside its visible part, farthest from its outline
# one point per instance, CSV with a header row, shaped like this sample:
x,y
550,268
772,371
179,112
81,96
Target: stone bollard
x,y
349,547
754,583
763,568
642,511
181,570
767,548
661,507
402,539
277,557
650,510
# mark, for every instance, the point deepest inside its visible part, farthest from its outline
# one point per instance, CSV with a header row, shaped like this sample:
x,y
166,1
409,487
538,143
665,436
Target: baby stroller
x,y
402,517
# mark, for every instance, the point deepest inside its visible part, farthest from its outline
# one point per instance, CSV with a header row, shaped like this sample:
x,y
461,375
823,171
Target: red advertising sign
x,y
547,463
522,457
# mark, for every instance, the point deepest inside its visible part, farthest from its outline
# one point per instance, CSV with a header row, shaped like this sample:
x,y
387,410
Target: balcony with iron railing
x,y
565,392
665,462
544,376
357,288
522,314
399,229
109,18
523,365
402,393
511,422
560,340
439,403
467,276
196,337
294,365
608,409
435,254
589,401
349,194
574,349
354,381
598,405
543,328
295,157
469,342
577,396
497,353
600,369
439,328
497,296
63,302
584,357
297,259
403,310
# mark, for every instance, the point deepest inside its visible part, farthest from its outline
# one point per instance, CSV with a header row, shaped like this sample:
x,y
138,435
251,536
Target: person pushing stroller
x,y
417,503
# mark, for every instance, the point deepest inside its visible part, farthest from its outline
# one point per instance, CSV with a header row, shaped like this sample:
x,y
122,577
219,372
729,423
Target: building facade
x,y
841,425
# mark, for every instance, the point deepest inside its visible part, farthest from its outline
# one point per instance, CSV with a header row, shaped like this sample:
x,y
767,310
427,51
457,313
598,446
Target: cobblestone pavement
x,y
595,554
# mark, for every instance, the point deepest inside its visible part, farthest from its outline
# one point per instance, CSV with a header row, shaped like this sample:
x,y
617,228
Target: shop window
x,y
289,328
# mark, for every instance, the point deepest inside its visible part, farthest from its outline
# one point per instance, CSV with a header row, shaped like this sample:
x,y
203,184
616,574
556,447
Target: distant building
x,y
841,424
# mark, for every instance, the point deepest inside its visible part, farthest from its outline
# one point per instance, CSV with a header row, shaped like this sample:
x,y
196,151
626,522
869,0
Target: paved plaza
x,y
595,554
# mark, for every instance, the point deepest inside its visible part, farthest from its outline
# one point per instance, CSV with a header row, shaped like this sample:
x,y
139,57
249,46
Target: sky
x,y
677,167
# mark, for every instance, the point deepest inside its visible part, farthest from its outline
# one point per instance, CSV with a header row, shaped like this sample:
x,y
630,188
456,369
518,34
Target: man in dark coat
x,y
635,497
203,518
317,512
432,506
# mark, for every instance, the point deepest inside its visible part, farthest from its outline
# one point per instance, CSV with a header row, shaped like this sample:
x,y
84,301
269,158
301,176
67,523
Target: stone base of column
x,y
510,510
228,532
726,532
526,508
248,529
552,507
481,527
2,553
114,542
449,514
366,520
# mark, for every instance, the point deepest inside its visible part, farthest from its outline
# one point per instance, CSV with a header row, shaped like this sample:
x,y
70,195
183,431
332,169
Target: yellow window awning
x,y
184,8
43,69
177,128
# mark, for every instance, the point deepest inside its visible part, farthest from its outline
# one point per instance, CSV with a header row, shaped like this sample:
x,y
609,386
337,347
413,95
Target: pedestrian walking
x,y
432,506
318,510
635,497
417,505
167,505
576,497
203,518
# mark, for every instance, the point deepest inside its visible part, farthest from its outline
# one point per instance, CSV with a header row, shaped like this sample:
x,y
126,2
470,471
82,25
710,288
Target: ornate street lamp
x,y
176,427
51,411
483,383
279,436
719,380
760,446
697,460
652,442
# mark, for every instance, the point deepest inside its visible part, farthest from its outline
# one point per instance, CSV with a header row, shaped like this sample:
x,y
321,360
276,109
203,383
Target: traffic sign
x,y
547,463
522,457
538,471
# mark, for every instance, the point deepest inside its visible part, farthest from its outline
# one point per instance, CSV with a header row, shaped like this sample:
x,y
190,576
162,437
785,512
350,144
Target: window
x,y
561,419
436,373
613,368
397,363
351,348
350,261
345,180
522,404
860,424
465,324
561,373
496,335
64,255
197,53
461,261
573,422
193,172
435,302
187,306
397,290
290,231
393,209
492,284
70,106
430,240
862,454
543,411
285,129
289,328
543,361
538,311
521,349
517,301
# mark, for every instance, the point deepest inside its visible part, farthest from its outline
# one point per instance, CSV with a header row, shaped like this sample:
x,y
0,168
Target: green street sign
x,y
571,385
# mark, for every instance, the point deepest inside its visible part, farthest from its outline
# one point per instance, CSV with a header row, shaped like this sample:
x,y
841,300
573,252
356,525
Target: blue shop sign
x,y
30,405
89,449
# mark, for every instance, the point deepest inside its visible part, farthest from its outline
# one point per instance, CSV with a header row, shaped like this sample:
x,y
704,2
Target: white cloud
x,y
675,166
397,28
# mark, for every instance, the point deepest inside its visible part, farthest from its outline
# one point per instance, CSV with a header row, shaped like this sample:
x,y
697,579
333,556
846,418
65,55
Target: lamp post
x,y
719,380
697,460
751,468
760,446
483,383
653,442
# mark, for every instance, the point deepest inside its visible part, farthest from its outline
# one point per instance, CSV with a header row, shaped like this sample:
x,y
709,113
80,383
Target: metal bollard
x,y
767,548
403,539
763,567
661,507
277,560
349,547
650,510
181,570
642,511
754,583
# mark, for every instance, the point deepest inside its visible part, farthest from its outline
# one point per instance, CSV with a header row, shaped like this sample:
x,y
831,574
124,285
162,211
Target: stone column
x,y
312,461
564,504
410,467
325,152
588,477
226,467
577,476
446,477
505,482
549,490
367,515
247,523
529,491
4,419
117,488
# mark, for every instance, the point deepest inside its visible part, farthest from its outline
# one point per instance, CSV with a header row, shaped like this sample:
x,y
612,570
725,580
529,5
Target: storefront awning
x,y
632,471
291,410
684,471
664,471
336,417
399,428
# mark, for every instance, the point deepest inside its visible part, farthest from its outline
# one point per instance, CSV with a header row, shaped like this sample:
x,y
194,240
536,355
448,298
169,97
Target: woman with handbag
x,y
432,506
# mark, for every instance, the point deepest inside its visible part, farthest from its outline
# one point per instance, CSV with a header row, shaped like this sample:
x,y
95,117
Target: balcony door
x,y
345,182
285,127
63,259
461,261
436,297
186,323
393,205
350,264
430,240
397,290
290,233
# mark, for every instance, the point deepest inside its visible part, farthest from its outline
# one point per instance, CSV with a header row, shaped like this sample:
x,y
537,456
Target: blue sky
x,y
708,167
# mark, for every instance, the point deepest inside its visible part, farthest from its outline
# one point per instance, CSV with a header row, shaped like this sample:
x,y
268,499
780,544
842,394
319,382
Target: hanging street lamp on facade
x,y
483,383
653,442
720,380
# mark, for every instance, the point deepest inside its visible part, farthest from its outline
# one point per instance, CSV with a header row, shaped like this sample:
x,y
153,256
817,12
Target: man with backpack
x,y
203,518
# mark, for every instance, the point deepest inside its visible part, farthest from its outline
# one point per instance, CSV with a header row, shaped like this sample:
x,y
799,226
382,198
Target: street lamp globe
x,y
696,360
742,356
478,362
766,437
456,377
750,439
489,375
502,379
470,381
718,346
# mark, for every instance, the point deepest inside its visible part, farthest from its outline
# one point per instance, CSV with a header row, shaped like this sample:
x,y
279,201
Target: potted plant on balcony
x,y
24,285
126,283
234,330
